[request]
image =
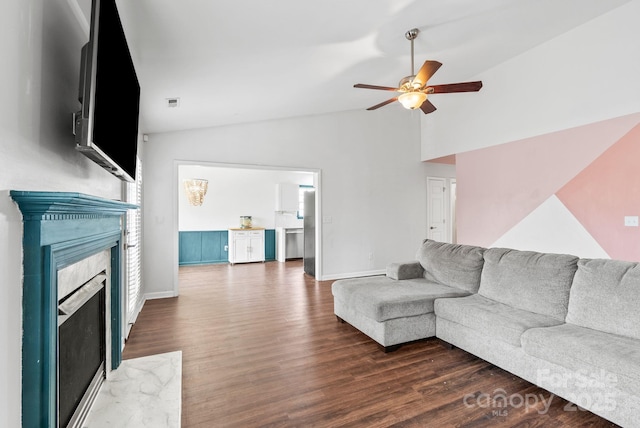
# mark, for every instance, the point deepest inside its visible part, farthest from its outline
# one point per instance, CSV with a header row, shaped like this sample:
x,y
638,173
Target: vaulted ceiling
x,y
243,61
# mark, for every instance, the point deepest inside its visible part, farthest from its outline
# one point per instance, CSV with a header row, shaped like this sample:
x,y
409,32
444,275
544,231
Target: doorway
x,y
441,209
235,191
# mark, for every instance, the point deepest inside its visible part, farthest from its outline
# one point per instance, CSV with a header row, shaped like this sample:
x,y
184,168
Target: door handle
x,y
433,227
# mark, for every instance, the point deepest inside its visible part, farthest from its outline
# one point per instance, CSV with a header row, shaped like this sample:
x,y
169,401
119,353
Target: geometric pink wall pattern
x,y
607,191
498,186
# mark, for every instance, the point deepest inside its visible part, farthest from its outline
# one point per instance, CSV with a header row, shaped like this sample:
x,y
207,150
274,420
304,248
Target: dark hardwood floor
x,y
261,347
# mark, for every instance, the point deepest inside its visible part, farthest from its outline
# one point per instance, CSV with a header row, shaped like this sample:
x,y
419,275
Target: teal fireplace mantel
x,y
61,228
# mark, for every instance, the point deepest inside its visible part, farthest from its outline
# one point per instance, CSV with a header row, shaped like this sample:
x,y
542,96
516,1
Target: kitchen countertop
x,y
246,228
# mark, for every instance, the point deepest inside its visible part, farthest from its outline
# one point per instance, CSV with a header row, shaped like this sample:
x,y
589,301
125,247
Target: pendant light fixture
x,y
196,188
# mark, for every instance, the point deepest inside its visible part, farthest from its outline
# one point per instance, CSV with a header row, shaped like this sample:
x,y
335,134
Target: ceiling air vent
x,y
173,102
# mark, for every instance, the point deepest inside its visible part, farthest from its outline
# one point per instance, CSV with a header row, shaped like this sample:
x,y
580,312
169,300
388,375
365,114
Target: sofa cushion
x,y
405,270
591,353
491,318
382,298
535,282
605,296
456,265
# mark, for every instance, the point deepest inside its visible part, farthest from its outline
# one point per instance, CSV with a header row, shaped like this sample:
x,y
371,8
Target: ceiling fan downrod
x,y
411,35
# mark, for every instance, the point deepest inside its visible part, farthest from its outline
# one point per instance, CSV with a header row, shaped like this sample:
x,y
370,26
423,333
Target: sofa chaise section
x,y
388,311
398,308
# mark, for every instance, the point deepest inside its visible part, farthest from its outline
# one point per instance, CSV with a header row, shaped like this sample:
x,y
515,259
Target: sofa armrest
x,y
405,270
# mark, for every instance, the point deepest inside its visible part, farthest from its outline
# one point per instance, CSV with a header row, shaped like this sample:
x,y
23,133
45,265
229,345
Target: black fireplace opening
x,y
81,351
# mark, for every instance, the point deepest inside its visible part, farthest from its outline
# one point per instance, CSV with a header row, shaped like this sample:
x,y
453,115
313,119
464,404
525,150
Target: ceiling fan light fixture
x,y
412,100
414,88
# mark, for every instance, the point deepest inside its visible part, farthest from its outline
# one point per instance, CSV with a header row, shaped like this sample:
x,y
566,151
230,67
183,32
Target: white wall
x,y
235,191
40,41
583,76
372,184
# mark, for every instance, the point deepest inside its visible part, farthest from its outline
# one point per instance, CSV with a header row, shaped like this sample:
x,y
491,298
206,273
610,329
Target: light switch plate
x,y
631,220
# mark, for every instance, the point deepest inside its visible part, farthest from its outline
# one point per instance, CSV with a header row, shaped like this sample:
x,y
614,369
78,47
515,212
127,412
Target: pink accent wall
x,y
500,185
607,191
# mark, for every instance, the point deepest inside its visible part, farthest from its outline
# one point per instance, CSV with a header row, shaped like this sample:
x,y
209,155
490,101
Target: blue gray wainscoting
x,y
210,246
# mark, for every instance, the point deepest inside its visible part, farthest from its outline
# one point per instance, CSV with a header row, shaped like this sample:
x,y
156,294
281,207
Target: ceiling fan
x,y
414,88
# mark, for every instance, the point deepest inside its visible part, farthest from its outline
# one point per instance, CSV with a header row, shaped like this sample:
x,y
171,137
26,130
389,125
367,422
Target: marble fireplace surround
x,y
60,229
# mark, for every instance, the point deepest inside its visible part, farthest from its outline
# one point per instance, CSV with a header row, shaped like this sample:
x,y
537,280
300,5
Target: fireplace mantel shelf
x,y
65,205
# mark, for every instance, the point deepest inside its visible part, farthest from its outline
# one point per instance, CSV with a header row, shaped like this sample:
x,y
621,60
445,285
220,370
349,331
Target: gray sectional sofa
x,y
568,325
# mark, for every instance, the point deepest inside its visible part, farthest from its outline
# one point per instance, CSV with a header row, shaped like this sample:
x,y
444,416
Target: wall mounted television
x,y
106,127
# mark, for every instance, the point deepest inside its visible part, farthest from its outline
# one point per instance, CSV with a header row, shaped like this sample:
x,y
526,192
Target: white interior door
x,y
437,227
452,210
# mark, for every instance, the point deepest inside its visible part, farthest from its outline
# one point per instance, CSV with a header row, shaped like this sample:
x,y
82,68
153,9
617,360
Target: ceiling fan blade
x,y
427,107
382,88
454,87
427,70
384,103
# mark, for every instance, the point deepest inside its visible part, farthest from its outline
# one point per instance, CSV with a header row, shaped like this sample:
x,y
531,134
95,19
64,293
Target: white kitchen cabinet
x,y
246,245
287,199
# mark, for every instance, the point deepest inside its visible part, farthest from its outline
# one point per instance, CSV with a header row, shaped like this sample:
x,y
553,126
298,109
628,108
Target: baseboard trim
x,y
353,275
159,295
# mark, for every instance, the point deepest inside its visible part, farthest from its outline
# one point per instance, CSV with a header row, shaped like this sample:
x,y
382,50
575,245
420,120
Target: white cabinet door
x,y
240,249
238,246
256,246
287,199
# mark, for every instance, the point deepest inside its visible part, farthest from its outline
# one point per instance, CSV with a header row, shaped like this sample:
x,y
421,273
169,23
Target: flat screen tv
x,y
106,127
